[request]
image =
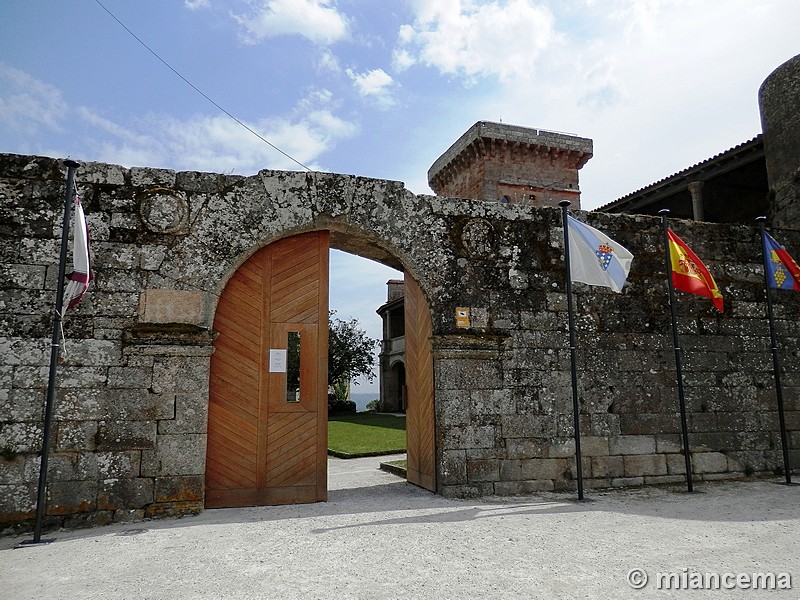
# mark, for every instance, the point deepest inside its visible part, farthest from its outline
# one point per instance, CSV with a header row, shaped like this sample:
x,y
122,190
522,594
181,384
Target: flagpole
x,y
575,407
775,362
676,344
54,351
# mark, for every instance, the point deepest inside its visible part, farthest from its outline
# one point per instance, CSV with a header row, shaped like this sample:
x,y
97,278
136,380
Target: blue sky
x,y
381,88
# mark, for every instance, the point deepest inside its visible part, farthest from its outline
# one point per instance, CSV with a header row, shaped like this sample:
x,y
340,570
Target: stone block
x,y
124,465
594,446
520,426
492,402
116,494
475,490
22,437
520,448
648,424
173,509
175,306
138,405
17,502
181,374
668,443
701,422
709,462
183,454
130,377
608,466
180,489
483,470
627,481
471,436
604,425
511,470
91,519
68,497
75,436
191,415
640,465
676,464
128,515
76,404
632,444
454,467
544,468
519,488
453,408
126,435
12,470
562,449
664,479
467,374
22,405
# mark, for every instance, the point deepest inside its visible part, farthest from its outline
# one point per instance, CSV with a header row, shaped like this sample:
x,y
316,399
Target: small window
x,y
293,367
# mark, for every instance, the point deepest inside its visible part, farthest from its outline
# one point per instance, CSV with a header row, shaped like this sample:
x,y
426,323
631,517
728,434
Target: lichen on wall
x,y
131,408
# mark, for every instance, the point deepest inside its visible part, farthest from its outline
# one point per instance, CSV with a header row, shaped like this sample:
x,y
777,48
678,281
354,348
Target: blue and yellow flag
x,y
782,270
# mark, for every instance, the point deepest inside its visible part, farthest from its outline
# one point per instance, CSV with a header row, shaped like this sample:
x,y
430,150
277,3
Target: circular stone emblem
x,y
164,211
478,237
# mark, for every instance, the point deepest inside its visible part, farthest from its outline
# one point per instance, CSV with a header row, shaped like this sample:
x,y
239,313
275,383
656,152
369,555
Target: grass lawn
x,y
366,434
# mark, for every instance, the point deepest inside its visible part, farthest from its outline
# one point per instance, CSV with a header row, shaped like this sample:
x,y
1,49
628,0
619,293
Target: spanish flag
x,y
689,274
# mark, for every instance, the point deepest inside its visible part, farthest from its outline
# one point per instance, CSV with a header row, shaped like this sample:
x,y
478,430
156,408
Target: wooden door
x,y
267,415
420,430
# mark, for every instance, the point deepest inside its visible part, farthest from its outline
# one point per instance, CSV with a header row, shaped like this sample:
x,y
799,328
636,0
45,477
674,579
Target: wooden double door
x,y
267,421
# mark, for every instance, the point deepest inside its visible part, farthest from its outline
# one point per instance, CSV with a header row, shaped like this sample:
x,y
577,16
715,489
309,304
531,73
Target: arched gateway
x,y
267,414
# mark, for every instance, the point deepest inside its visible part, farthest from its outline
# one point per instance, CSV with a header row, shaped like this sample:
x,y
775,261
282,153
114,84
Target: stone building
x,y
391,360
500,162
172,391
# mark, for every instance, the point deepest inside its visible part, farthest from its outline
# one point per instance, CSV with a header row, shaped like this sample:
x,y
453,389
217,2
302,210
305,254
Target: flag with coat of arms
x,y
783,272
595,258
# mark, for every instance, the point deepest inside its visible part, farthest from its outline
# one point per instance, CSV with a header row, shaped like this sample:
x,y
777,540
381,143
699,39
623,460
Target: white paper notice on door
x,y
277,360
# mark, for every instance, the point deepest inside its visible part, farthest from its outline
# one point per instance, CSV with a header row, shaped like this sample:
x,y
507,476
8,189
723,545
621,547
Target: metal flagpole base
x,y
31,543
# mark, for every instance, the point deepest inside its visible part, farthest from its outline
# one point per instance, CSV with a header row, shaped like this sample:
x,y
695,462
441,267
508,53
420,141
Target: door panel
x,y
420,430
267,444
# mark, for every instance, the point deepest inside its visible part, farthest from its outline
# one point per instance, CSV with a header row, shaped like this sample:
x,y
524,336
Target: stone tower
x,y
500,162
779,100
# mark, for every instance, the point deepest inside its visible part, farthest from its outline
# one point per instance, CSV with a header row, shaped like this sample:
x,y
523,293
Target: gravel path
x,y
380,538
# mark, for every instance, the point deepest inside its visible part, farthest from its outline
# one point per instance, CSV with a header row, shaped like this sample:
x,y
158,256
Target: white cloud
x,y
328,62
375,85
502,38
196,4
27,104
658,85
317,20
219,144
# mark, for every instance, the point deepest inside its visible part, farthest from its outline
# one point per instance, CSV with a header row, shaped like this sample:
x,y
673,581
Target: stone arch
x,y
359,236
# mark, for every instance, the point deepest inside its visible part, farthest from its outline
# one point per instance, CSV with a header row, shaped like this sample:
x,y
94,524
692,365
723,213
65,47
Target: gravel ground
x,y
380,538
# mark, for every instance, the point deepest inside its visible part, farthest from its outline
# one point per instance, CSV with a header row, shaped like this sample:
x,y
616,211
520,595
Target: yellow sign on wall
x,y
462,316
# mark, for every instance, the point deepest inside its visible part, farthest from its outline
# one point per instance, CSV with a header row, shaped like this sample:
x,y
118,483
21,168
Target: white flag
x,y
81,268
595,258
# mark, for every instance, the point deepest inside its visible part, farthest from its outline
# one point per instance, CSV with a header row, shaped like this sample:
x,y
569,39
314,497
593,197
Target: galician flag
x,y
782,270
81,260
689,274
595,258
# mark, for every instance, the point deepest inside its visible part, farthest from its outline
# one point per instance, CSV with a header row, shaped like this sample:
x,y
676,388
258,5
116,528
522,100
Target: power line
x,y
198,90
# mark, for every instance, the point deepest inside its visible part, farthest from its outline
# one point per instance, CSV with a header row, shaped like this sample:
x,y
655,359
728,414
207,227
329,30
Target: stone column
x,y
696,190
779,100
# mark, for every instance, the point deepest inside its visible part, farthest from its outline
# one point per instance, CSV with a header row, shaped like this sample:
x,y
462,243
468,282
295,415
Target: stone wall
x,y
131,407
